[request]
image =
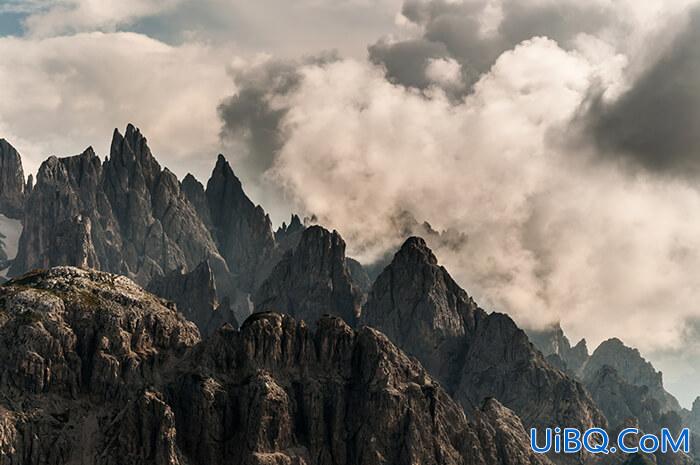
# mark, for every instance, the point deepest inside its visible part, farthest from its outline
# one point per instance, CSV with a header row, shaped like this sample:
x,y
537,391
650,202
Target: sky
x,y
546,149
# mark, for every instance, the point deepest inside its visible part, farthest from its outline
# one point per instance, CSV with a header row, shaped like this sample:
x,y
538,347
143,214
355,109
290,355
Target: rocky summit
x,y
312,279
12,185
96,370
475,354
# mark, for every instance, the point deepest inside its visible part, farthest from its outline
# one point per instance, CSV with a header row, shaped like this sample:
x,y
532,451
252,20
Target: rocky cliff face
x,y
475,354
160,227
632,368
11,181
126,216
553,342
242,229
312,280
621,401
68,198
98,371
195,294
418,305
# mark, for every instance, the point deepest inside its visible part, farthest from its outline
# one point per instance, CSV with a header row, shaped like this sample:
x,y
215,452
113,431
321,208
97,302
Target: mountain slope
x,y
99,371
475,354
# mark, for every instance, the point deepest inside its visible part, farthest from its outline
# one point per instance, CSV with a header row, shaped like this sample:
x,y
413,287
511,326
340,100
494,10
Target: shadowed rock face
x,y
621,401
553,343
311,280
242,229
632,368
476,355
132,213
98,371
11,181
195,296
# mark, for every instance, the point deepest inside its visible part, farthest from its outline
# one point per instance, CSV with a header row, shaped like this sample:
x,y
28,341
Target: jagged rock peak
x,y
554,344
294,225
242,229
633,368
194,191
130,156
92,355
418,304
311,280
195,295
476,355
12,187
415,248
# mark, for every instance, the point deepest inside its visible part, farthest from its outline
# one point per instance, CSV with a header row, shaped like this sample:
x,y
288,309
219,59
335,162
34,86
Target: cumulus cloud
x,y
492,121
474,168
654,124
476,32
63,94
49,18
528,222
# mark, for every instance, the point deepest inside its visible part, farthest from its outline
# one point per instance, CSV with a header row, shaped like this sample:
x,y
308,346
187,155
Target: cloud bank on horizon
x,y
551,145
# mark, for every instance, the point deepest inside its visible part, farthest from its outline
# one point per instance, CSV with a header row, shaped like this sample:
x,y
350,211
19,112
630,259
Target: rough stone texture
x,y
312,280
195,295
553,342
329,396
98,371
242,229
632,368
11,181
476,355
194,191
67,189
621,401
160,228
358,275
287,236
132,213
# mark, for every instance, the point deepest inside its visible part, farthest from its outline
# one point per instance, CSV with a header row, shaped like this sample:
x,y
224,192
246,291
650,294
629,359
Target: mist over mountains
x,y
532,134
481,191
252,317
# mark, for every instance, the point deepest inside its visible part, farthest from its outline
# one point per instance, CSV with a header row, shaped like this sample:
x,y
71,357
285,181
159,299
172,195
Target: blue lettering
x,y
572,440
643,443
596,448
667,440
547,441
621,440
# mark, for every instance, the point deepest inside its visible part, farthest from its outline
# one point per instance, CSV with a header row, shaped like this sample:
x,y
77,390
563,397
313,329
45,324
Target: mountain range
x,y
168,323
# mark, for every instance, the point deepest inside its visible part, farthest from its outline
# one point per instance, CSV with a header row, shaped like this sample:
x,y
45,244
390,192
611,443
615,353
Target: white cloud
x,y
445,72
549,235
65,93
57,17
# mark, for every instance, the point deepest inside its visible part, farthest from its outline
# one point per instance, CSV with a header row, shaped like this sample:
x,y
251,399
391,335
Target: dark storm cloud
x,y
656,124
405,62
454,30
251,115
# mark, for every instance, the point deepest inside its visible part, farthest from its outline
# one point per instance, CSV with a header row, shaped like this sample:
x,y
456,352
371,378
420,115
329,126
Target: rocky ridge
x,y
12,185
311,280
476,355
99,371
127,215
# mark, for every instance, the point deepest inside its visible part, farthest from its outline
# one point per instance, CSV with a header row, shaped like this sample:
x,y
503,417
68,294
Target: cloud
x,y
51,18
654,124
388,150
62,94
475,33
532,226
254,113
284,28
